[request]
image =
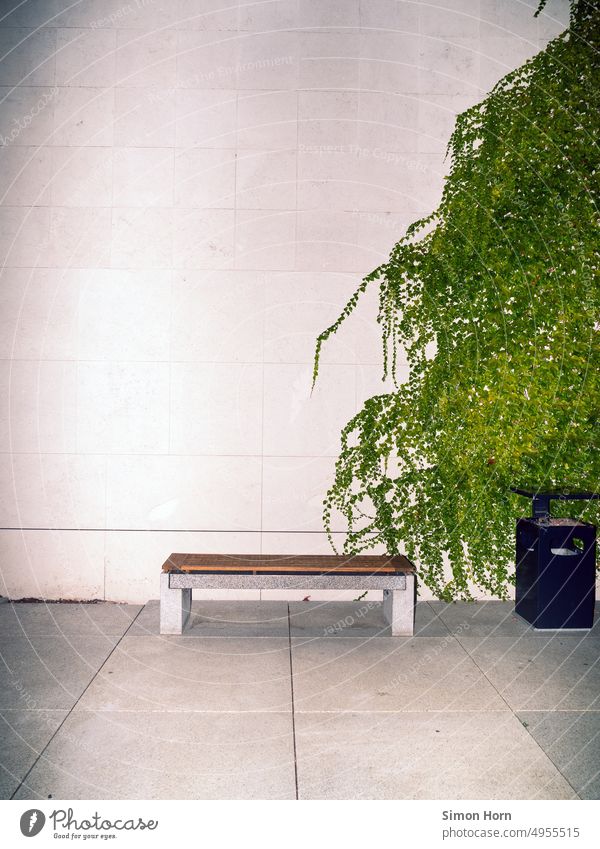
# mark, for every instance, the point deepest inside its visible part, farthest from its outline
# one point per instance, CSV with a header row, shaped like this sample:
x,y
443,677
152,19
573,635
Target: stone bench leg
x,y
399,609
175,607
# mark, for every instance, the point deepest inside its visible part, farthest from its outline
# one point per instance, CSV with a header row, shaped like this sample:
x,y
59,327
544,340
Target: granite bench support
x,y
175,606
176,590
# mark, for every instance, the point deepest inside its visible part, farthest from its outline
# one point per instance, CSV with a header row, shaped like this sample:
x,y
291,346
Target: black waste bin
x,y
556,566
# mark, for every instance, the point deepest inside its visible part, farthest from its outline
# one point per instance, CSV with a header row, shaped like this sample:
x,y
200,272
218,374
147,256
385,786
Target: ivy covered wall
x,y
501,282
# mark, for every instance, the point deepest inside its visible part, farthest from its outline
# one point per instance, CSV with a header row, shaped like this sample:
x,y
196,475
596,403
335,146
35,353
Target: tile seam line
x,y
293,706
437,617
72,708
267,711
173,531
516,716
150,710
296,641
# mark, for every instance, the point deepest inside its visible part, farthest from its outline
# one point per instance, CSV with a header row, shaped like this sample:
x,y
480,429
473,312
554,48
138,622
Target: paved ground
x,y
270,700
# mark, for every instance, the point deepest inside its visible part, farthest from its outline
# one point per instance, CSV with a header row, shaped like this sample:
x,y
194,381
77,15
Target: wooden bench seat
x,y
181,573
255,564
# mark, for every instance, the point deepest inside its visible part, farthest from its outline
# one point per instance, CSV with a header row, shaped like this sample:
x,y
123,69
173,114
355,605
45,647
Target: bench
x,y
181,573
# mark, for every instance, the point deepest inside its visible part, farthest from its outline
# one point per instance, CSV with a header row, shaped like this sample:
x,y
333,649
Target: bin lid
x,y
541,499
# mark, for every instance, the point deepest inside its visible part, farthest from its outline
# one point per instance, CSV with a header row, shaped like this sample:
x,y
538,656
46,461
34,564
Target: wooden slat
x,y
289,570
283,564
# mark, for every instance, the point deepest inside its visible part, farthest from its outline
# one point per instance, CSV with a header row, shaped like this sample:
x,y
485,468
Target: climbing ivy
x,y
501,283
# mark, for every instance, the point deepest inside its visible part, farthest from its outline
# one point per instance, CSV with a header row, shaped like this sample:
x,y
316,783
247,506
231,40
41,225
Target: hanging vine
x,y
503,279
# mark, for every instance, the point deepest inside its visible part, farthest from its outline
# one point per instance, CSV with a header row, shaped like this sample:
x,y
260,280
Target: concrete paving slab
x,y
482,619
490,619
571,739
388,674
360,619
422,756
23,735
52,620
222,619
556,672
194,673
155,755
49,672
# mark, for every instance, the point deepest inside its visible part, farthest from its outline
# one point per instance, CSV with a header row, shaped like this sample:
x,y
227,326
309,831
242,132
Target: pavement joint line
x,y
401,712
298,710
241,636
437,616
269,712
571,759
514,713
292,643
293,707
74,705
589,781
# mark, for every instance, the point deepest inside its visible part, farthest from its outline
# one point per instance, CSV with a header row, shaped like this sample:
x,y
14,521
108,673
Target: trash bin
x,y
556,565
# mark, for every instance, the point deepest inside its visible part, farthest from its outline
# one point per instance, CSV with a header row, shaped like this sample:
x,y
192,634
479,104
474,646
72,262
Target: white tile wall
x,y
207,59
388,120
144,117
24,235
216,408
218,316
144,552
80,176
209,15
176,491
389,61
24,175
146,59
436,116
335,14
450,18
83,116
449,66
499,55
327,119
203,238
53,564
142,237
361,179
123,315
299,304
38,314
304,480
377,231
205,178
298,423
266,179
399,15
52,490
267,119
33,14
27,56
267,60
39,406
78,238
205,118
190,190
85,57
143,176
27,114
265,239
122,407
